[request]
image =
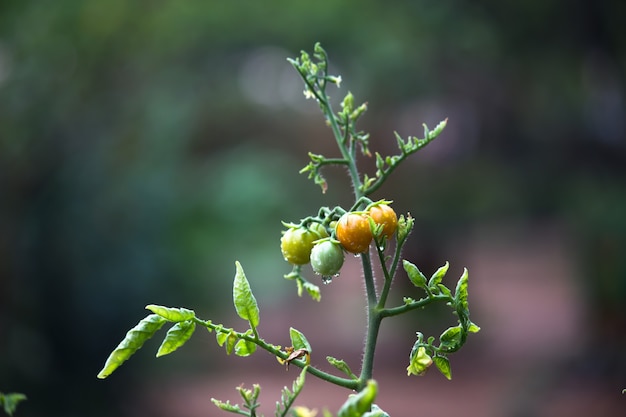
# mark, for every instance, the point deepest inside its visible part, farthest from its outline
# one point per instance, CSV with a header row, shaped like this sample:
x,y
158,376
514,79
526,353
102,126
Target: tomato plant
x,y
354,233
307,241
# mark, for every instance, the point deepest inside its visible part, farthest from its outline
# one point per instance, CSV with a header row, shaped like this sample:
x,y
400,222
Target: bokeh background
x,y
145,146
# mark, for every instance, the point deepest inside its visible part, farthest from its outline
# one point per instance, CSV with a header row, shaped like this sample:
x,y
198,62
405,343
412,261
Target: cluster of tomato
x,y
353,233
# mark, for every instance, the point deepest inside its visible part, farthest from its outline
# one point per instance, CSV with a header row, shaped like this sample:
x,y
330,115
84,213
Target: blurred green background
x,y
145,146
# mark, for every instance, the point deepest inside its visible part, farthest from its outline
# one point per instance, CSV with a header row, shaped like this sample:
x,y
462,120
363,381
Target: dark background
x,y
145,146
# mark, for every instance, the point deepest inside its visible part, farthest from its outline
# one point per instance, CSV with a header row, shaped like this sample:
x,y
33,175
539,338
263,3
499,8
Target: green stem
x,y
373,322
389,273
389,312
342,382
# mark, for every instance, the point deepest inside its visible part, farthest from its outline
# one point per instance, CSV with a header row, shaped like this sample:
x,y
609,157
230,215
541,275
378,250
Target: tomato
x,y
353,232
296,244
385,216
327,258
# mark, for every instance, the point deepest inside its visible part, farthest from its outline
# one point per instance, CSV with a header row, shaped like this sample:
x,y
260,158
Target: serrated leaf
x,y
172,314
244,348
415,275
134,340
358,404
176,336
460,294
298,341
245,303
341,365
443,364
435,280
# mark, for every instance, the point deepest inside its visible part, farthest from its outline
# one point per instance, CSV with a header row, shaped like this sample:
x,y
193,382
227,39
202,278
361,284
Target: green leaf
x,y
245,303
444,290
443,364
287,397
172,314
342,366
358,404
244,348
298,341
231,340
415,275
176,336
227,406
221,337
435,280
313,290
460,294
452,335
10,401
134,340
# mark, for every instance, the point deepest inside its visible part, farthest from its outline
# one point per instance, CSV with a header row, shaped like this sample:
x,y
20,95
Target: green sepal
x,y
298,341
341,365
171,313
176,336
436,278
245,303
443,364
134,340
415,275
10,401
358,404
244,348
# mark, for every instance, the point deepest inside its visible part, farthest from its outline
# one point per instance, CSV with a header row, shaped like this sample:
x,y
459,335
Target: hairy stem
x,y
274,350
373,322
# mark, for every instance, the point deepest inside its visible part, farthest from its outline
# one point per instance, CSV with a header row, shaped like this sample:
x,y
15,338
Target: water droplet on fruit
x,y
327,279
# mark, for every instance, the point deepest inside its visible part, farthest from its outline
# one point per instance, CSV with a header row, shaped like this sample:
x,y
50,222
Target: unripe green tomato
x,y
327,258
296,244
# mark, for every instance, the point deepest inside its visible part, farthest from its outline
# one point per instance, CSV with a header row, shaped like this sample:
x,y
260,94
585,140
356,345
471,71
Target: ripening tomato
x,y
385,216
327,258
353,232
296,244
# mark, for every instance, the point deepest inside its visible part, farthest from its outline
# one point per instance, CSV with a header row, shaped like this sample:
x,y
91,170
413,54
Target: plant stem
x,y
373,322
342,382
